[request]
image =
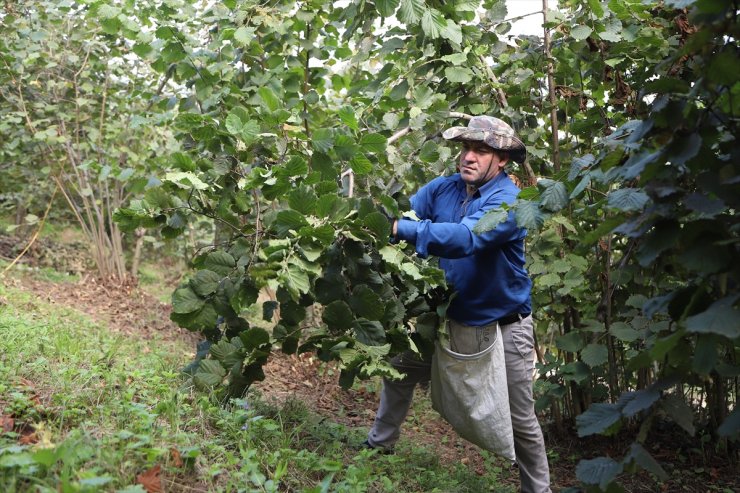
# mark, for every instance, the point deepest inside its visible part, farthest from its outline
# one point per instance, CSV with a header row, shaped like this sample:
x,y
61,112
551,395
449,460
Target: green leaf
x,y
581,32
185,300
684,148
433,23
456,58
452,31
730,427
210,374
680,412
234,124
108,11
366,303
528,214
598,419
345,146
599,471
254,338
203,319
303,200
249,132
612,31
554,196
186,180
225,352
724,67
375,143
296,166
642,458
627,199
640,400
459,74
269,99
370,332
490,220
411,11
347,115
386,8
571,342
624,332
322,139
379,225
297,280
338,316
705,354
429,152
596,8
721,318
220,262
244,35
360,164
594,355
205,282
288,220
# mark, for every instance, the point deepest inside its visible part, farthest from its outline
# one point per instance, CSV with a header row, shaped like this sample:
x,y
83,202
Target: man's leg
x,y
529,443
395,399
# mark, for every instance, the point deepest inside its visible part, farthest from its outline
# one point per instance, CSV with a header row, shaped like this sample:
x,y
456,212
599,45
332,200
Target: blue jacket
x,y
487,270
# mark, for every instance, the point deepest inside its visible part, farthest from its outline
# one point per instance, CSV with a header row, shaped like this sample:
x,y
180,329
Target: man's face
x,y
479,164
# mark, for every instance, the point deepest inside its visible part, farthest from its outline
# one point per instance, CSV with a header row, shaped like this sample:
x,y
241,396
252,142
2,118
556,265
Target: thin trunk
x,y
551,91
139,234
611,350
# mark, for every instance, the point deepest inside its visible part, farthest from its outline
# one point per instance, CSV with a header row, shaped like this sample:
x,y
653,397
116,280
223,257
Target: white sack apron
x,y
470,392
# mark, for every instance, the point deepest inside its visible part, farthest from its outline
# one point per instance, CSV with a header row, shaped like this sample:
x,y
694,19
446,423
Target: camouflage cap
x,y
493,132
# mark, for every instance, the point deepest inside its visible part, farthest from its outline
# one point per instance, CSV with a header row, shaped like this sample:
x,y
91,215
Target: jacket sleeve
x,y
456,240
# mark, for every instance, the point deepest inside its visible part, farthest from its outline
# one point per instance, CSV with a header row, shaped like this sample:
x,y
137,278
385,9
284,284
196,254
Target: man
x,y
487,272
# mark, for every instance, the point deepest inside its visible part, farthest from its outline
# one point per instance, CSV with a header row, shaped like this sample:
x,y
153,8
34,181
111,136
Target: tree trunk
x,y
135,262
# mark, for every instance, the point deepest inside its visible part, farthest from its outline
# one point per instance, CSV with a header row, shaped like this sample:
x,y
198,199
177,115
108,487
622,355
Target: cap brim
x,y
465,134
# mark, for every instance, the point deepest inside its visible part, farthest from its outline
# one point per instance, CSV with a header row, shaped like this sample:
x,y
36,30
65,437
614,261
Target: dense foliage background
x,y
269,137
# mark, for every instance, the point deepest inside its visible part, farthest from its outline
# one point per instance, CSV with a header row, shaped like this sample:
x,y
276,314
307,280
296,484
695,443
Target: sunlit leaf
x,y
386,8
581,32
411,11
433,23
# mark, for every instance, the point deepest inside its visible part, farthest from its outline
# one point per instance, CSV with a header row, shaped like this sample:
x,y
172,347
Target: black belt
x,y
514,317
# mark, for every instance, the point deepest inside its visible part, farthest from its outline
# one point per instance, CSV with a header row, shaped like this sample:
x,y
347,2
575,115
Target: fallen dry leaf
x,y
26,382
176,457
6,423
150,480
28,438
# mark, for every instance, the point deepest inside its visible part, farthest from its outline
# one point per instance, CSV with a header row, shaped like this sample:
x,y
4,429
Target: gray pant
x,y
518,339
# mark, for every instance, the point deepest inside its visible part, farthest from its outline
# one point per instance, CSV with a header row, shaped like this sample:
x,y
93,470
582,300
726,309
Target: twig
x,y
491,75
36,234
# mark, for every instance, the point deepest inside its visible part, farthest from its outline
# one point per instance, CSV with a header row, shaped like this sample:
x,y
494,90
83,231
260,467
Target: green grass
x,y
105,408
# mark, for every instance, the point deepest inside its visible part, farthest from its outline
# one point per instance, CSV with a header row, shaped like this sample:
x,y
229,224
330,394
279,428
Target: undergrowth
x,y
83,409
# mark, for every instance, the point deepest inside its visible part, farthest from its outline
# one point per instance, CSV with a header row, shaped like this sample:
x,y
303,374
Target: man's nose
x,y
468,155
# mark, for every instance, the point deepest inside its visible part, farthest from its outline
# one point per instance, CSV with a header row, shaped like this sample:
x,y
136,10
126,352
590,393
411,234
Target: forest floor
x,y
691,463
